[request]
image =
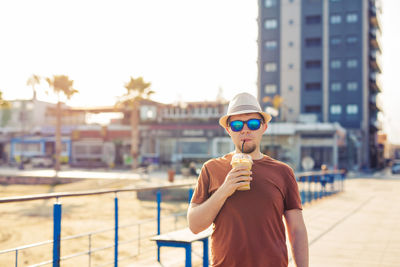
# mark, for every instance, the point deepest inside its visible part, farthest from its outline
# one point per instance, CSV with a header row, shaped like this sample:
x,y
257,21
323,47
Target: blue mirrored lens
x,y
236,125
254,124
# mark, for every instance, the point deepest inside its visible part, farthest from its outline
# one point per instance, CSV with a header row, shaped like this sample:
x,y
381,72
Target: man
x,y
248,226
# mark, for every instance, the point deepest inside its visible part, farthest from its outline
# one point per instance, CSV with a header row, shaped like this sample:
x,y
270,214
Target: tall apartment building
x,y
322,58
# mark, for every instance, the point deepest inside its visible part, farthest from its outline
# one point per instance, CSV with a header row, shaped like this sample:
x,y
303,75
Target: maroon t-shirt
x,y
249,230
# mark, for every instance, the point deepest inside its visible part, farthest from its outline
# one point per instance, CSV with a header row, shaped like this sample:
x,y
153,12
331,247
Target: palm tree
x,y
5,114
33,81
137,90
61,84
3,103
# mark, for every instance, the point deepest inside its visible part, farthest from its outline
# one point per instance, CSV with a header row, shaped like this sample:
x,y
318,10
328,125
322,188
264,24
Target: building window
x,y
270,3
351,63
336,64
314,19
313,109
336,109
336,86
352,109
336,40
290,44
291,22
290,87
351,18
270,67
336,19
271,45
313,64
270,24
270,89
352,86
291,66
313,42
313,86
351,39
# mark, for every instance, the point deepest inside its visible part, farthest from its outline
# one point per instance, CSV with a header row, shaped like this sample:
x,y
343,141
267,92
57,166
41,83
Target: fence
x,y
312,186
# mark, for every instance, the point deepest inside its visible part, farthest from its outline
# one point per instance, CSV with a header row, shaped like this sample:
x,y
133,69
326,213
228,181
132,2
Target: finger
x,y
242,173
243,179
240,168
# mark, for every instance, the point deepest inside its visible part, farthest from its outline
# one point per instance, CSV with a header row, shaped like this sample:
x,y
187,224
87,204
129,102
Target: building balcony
x,y
375,102
375,38
374,15
373,108
374,83
374,125
375,61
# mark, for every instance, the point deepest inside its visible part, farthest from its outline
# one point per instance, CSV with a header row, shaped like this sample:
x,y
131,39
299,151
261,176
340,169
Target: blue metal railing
x,y
57,210
312,186
315,185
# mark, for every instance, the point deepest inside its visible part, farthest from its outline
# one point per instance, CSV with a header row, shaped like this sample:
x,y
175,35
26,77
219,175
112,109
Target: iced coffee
x,y
242,160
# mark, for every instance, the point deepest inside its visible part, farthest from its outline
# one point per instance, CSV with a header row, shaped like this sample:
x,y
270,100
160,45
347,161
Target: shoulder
x,y
281,168
268,161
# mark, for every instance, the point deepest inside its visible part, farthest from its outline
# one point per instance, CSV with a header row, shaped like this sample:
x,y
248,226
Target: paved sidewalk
x,y
359,227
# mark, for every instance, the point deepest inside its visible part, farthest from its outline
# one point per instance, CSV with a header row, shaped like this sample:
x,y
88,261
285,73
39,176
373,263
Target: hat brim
x,y
223,121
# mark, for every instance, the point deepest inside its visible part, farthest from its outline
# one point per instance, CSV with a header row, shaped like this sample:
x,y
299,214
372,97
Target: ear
x,y
265,127
228,130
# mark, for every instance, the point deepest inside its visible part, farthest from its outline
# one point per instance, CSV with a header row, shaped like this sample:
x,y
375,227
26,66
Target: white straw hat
x,y
241,104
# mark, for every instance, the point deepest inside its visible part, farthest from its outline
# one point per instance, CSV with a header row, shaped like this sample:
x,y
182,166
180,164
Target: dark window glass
x,y
313,86
313,42
313,64
315,19
313,109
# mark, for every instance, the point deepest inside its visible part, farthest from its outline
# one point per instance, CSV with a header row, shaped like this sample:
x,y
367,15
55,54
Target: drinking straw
x,y
243,145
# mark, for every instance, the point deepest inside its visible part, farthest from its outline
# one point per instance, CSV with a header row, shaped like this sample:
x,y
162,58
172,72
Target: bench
x,y
183,239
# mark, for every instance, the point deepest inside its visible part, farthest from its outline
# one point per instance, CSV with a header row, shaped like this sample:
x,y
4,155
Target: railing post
x,y
190,194
309,197
116,231
158,211
90,250
56,234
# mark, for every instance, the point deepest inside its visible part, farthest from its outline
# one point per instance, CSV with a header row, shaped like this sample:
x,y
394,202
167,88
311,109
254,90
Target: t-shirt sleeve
x,y
292,195
201,192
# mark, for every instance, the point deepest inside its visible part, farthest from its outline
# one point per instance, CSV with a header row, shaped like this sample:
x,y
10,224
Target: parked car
x,y
41,161
396,167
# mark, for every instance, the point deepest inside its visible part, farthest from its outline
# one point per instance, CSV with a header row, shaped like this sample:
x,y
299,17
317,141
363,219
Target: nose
x,y
245,128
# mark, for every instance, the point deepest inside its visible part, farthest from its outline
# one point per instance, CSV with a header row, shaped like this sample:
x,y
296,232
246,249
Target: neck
x,y
255,155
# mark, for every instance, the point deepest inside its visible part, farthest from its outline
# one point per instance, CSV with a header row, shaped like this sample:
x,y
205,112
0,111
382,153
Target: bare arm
x,y
201,216
297,236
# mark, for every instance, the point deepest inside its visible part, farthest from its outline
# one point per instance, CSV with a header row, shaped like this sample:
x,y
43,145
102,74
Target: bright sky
x,y
187,49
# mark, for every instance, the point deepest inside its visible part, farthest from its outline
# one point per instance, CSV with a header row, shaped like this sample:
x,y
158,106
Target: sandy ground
x,y
30,222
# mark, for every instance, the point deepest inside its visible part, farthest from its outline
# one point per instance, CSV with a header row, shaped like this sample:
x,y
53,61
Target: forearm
x,y
299,243
200,217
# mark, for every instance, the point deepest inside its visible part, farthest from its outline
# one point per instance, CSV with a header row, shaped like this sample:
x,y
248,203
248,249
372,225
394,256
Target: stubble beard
x,y
248,149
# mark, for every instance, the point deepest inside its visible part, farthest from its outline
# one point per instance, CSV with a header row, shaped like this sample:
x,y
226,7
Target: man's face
x,y
252,138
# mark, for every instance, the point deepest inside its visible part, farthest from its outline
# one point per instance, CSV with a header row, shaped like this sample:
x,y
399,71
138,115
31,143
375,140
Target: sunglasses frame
x,y
247,123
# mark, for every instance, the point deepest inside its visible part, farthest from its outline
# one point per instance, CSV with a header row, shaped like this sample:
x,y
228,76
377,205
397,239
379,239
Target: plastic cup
x,y
242,160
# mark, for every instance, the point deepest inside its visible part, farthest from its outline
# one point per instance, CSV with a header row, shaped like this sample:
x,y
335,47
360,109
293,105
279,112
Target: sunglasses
x,y
252,124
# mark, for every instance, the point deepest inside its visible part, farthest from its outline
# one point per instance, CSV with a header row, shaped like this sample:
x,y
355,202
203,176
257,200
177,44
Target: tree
x,y
137,90
61,84
4,106
3,103
33,81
